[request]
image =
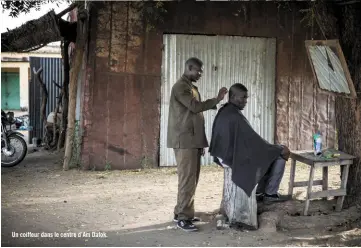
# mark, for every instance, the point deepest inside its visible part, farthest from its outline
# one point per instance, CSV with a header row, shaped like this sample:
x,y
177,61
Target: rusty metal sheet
x,y
129,49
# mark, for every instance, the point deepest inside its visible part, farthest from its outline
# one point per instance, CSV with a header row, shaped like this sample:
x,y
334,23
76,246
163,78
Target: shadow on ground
x,y
133,209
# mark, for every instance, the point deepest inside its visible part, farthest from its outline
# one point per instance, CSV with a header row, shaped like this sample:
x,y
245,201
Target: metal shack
x,y
133,60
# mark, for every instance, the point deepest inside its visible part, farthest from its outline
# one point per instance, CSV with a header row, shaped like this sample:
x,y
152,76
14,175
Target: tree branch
x,y
57,85
44,94
70,8
37,73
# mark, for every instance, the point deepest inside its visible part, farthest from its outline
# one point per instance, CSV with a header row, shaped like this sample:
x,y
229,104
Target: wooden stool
x,y
307,157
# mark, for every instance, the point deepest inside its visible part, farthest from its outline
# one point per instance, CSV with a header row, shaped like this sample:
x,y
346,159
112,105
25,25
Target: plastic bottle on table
x,y
317,143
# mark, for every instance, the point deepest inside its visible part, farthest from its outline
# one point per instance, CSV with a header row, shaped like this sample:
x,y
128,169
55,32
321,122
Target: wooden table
x,y
307,157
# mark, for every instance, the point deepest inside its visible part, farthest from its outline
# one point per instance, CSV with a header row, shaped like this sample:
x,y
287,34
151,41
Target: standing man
x,y
186,135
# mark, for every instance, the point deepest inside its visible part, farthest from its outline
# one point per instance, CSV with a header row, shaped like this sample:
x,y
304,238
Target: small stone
x,y
221,225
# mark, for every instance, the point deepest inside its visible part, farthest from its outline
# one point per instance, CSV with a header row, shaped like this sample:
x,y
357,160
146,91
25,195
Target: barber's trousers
x,y
189,165
271,181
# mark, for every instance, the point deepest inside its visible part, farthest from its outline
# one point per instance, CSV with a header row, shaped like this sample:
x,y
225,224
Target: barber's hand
x,y
285,154
221,93
203,151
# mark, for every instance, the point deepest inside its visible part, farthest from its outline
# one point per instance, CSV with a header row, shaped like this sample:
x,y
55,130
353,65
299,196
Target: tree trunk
x,y
240,209
348,111
74,75
44,99
56,125
348,123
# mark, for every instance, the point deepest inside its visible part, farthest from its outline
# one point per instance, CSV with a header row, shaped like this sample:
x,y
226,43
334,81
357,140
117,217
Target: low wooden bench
x,y
307,157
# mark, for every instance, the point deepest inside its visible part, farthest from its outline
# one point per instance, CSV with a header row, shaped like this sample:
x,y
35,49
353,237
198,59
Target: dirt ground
x,y
134,208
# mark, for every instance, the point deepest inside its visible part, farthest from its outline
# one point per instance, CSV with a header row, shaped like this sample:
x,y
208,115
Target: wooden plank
x,y
333,163
301,158
292,177
239,208
309,190
305,183
344,178
321,42
325,179
343,155
308,157
328,193
342,59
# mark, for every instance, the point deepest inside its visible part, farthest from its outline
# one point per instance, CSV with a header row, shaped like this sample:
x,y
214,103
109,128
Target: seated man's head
x,y
238,95
193,69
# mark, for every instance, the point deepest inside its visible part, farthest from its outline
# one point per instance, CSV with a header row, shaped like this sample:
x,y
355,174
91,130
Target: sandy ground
x,y
134,208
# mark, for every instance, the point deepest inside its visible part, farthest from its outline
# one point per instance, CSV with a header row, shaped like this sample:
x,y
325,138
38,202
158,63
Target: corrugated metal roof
x,y
227,60
328,68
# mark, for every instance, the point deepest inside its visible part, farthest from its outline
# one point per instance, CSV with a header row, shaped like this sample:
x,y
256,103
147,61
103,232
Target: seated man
x,y
253,160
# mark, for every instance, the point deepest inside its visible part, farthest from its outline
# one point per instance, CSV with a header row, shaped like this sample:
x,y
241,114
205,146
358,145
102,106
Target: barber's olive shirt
x,y
186,121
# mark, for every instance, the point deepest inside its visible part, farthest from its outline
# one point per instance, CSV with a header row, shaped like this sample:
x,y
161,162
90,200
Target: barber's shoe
x,y
195,219
275,198
187,225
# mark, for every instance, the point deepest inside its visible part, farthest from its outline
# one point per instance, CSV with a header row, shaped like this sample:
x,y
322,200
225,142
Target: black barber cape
x,y
241,148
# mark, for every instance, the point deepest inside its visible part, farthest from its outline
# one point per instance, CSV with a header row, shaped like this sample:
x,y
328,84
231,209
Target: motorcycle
x,y
13,145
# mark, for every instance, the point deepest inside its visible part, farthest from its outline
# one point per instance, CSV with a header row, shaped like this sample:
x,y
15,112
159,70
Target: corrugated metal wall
x,y
52,72
124,67
227,60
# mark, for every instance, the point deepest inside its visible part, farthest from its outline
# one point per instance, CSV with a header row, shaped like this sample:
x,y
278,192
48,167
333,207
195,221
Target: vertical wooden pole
x,y
325,179
344,178
74,75
292,177
309,189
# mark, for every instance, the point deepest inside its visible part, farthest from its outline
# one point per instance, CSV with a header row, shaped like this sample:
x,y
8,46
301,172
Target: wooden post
x,y
74,75
239,208
340,199
309,190
325,179
56,130
292,177
65,96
